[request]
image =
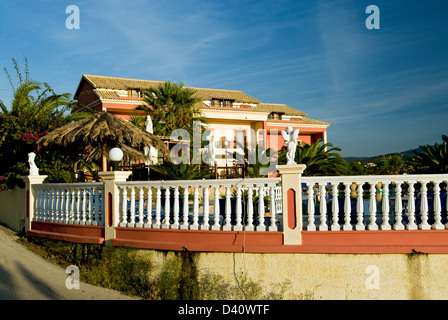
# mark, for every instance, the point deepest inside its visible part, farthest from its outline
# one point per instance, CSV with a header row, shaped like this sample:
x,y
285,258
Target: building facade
x,y
233,115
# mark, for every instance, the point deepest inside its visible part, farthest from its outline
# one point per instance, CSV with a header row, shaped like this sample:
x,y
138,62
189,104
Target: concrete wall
x,y
13,208
324,276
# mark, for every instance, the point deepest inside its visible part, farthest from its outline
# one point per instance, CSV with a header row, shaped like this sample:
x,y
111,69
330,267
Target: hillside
x,y
407,153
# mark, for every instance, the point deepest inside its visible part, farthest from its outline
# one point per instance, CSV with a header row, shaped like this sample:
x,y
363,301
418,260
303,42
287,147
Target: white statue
x,y
34,170
150,152
290,137
210,160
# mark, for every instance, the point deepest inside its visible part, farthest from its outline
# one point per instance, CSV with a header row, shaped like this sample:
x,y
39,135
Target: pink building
x,y
231,113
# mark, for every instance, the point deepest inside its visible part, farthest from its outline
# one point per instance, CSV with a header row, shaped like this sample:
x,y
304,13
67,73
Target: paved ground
x,y
26,276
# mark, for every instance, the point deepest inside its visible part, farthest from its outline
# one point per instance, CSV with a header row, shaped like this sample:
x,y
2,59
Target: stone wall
x,y
13,208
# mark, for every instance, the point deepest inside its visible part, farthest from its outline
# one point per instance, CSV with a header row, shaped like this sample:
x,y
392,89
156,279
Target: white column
x,y
124,207
238,210
385,206
141,203
437,208
273,226
372,208
110,202
424,207
292,203
31,197
311,226
398,208
167,209
347,208
411,207
175,224
250,209
261,226
216,225
158,208
206,205
186,210
195,225
323,208
335,207
360,208
148,223
227,225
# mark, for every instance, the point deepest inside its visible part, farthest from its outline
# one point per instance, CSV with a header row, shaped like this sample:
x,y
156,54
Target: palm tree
x,y
171,106
432,159
34,111
257,160
321,159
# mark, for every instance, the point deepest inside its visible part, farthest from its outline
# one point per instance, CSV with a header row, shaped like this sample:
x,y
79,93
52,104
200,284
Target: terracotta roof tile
x,y
116,83
281,108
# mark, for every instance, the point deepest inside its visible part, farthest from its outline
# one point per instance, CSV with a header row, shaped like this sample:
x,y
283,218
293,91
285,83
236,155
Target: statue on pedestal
x,y
34,170
290,137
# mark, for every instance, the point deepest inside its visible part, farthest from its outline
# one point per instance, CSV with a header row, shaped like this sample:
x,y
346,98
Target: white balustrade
x,y
73,203
202,204
339,203
408,202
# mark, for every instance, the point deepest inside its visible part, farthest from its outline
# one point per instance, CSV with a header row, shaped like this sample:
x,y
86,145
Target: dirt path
x,y
26,276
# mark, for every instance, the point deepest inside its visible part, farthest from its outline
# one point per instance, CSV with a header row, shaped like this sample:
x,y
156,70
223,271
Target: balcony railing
x,y
72,203
230,204
398,202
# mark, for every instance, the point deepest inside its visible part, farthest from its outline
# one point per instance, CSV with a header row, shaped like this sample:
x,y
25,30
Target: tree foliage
x,y
171,106
321,159
432,159
35,110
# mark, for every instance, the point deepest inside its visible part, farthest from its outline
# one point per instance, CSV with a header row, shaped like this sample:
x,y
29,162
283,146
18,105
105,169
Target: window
x,y
222,103
275,116
135,93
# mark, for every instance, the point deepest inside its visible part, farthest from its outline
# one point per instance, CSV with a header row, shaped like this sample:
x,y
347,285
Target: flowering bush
x,y
3,183
35,110
18,137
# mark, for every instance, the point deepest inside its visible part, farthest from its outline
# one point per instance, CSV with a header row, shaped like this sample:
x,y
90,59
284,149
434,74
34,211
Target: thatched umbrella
x,y
102,132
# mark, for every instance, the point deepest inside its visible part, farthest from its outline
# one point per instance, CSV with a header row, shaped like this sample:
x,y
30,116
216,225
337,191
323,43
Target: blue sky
x,y
382,90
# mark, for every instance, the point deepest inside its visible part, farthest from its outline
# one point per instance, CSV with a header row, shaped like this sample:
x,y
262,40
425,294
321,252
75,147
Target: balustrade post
x,y
238,210
360,207
311,226
216,225
291,176
31,195
111,201
398,208
148,223
424,207
206,205
175,223
335,207
347,208
273,226
372,208
141,204
411,207
167,209
323,208
261,226
227,226
437,208
385,206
